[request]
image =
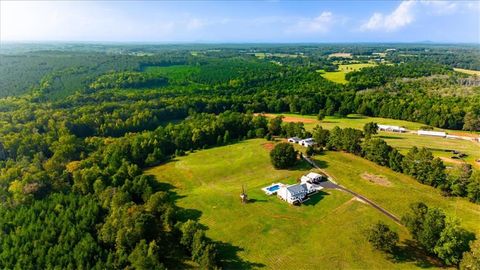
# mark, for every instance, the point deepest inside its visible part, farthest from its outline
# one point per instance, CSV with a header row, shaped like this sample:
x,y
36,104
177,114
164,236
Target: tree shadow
x,y
390,137
229,259
411,252
251,200
356,117
322,164
315,198
301,165
228,256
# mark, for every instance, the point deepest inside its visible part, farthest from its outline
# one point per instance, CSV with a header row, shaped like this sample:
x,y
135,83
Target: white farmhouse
x,y
293,194
432,133
391,128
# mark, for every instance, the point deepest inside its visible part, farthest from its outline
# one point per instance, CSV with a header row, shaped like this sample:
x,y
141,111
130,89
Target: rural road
x,y
332,184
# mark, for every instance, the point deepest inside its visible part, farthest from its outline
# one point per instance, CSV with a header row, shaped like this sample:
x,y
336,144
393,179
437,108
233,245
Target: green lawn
x,y
339,76
327,231
348,168
402,141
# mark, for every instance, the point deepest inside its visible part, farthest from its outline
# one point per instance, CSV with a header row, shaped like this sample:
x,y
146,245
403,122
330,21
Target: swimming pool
x,y
273,188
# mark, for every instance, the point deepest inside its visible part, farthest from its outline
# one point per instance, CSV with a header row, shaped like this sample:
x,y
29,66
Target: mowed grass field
x,y
468,71
399,191
401,141
327,232
339,76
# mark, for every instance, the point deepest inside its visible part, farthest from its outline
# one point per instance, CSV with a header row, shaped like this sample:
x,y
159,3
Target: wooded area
x,y
77,127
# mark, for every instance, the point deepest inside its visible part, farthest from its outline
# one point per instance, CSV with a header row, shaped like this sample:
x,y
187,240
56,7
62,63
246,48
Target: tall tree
x,y
382,237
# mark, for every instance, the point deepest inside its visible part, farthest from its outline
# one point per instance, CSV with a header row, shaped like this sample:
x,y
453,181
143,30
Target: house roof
x,y
297,188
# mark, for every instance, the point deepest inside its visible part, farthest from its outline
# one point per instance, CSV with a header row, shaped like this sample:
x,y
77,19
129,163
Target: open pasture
x,y
339,76
327,231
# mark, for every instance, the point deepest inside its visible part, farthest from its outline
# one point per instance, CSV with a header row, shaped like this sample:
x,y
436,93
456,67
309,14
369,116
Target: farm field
x,y
209,182
401,141
339,76
468,71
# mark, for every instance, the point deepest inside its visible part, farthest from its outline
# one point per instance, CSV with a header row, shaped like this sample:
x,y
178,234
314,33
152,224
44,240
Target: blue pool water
x,y
273,188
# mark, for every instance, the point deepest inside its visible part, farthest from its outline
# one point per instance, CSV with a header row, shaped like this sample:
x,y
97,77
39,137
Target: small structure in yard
x,y
294,140
293,194
391,128
432,133
243,195
312,177
307,142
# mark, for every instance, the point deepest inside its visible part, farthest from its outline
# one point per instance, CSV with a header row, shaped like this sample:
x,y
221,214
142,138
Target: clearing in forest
x,y
327,230
339,76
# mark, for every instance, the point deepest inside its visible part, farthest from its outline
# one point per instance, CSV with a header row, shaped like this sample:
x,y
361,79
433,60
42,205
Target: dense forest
x,y
78,124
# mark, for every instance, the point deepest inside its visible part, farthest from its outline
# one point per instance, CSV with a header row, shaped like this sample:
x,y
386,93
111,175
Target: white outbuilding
x,y
391,128
312,178
294,140
432,133
307,142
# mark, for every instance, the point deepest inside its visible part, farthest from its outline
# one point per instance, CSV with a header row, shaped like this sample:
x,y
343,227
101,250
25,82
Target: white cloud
x,y
440,7
406,13
319,24
402,16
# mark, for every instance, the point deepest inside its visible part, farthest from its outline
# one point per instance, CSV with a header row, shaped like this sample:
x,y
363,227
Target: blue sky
x,y
241,21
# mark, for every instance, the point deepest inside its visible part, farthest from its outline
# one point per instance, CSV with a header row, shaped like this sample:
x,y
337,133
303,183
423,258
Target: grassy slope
x,y
401,141
347,168
326,232
339,76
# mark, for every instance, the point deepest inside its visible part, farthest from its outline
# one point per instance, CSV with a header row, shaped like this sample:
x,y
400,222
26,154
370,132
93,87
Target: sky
x,y
241,21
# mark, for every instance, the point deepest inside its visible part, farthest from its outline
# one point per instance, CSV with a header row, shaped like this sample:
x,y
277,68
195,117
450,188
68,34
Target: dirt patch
x,y
451,160
376,179
269,146
464,134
